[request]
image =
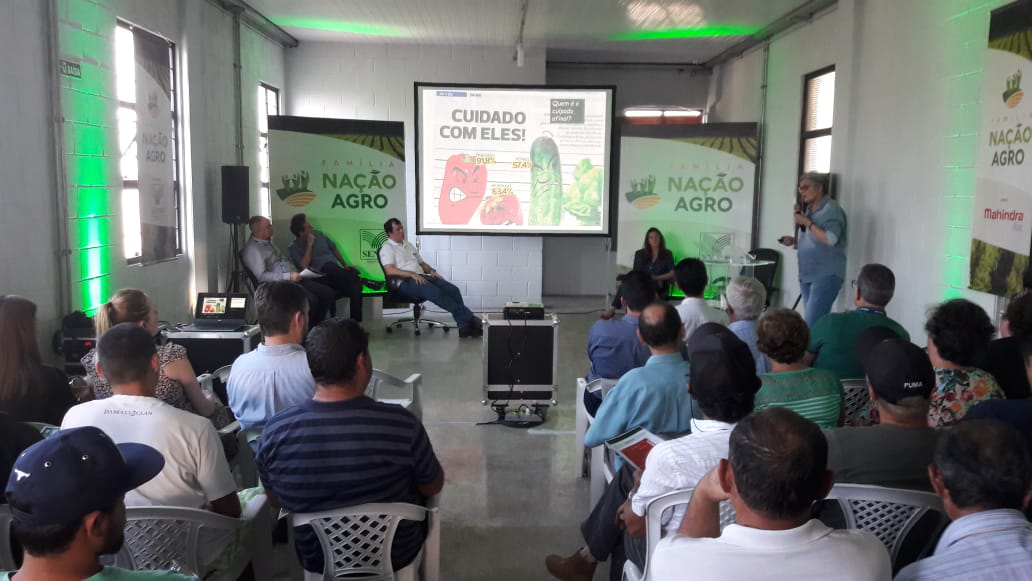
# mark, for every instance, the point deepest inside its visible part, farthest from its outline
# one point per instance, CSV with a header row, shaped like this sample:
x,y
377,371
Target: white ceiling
x,y
584,30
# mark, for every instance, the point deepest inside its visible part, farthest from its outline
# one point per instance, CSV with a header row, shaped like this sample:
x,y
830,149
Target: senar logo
x,y
643,192
1013,95
295,190
369,242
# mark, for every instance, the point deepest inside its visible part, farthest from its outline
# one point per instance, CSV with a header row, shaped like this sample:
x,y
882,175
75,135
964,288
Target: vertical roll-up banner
x,y
696,183
346,176
1000,235
155,148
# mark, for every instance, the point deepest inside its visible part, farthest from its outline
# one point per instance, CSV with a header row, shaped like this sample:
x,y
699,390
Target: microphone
x,y
799,210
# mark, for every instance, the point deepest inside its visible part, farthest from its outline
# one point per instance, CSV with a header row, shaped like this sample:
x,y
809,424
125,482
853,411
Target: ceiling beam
x,y
799,15
259,22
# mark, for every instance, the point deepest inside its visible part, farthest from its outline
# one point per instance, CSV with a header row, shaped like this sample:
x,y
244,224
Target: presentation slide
x,y
513,160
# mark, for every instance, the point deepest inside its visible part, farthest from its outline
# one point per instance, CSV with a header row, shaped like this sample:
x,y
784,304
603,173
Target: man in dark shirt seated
x,y
613,344
896,452
1017,413
1004,360
343,449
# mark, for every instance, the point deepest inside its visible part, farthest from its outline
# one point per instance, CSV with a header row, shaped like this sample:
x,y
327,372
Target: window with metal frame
x,y
818,112
268,104
125,76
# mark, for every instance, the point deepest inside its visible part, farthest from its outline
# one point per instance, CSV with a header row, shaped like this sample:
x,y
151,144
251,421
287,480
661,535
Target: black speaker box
x,y
235,193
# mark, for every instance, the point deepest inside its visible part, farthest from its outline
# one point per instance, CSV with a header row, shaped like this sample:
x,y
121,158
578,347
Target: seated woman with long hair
x,y
652,259
815,394
29,390
177,382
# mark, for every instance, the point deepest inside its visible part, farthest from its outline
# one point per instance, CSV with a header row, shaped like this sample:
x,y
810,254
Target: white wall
x,y
28,254
374,81
203,35
908,78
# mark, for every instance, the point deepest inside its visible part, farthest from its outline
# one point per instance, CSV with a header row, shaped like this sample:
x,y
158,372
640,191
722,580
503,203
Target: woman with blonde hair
x,y
177,382
29,390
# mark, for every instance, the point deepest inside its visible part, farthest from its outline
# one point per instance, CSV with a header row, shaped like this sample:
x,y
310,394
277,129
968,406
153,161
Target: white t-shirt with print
x,y
196,471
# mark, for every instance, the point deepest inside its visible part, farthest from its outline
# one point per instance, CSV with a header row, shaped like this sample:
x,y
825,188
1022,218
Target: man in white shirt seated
x,y
274,376
746,298
418,279
776,470
196,474
690,276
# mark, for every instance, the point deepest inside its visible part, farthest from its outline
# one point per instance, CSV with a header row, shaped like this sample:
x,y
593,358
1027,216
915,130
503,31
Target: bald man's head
x,y
660,325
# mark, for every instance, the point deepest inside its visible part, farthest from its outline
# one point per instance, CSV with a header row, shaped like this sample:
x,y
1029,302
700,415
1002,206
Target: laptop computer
x,y
219,312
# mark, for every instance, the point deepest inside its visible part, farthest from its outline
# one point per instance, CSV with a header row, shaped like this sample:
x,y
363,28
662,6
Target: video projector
x,y
517,311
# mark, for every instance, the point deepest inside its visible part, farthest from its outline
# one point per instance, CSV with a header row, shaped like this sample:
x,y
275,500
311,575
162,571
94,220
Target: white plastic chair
x,y
242,464
408,392
596,463
654,527
46,430
207,380
7,562
856,398
356,541
157,537
889,513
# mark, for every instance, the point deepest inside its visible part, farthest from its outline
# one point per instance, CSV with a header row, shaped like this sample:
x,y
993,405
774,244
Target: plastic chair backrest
x,y
7,562
857,398
889,513
356,541
408,392
159,537
654,518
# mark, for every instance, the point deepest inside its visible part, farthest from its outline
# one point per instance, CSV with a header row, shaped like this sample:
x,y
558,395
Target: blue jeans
x,y
818,296
443,294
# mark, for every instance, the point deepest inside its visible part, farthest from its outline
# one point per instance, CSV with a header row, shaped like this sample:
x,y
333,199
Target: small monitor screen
x,y
221,306
238,303
214,306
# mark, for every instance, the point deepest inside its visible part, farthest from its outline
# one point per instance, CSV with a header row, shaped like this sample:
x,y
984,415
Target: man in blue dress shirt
x,y
983,471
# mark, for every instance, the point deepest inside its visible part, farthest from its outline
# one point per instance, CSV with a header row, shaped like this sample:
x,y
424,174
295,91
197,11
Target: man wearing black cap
x,y
66,498
723,382
897,451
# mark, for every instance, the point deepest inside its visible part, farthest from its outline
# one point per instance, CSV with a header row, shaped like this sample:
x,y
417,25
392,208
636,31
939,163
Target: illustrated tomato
x,y
502,209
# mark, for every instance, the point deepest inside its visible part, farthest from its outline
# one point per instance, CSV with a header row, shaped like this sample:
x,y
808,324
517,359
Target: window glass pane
x,y
131,236
817,154
128,165
264,202
126,128
820,101
125,64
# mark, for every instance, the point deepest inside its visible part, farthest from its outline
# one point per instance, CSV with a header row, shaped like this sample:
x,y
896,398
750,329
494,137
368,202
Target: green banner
x,y
346,176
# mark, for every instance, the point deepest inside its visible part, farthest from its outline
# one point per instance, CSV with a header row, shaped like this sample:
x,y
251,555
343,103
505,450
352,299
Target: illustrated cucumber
x,y
546,183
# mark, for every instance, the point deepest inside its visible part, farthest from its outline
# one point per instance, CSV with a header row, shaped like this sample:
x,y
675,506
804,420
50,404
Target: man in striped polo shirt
x,y
342,448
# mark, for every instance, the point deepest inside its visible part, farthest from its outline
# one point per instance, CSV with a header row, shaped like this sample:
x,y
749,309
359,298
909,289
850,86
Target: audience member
x,y
895,452
690,276
746,298
313,250
275,375
1003,359
655,262
816,394
653,396
66,498
775,471
723,383
959,332
14,438
196,474
613,346
267,263
983,472
29,390
833,337
1017,413
341,448
412,276
177,380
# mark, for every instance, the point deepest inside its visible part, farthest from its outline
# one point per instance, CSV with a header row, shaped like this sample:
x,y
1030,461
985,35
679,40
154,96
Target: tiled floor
x,y
512,495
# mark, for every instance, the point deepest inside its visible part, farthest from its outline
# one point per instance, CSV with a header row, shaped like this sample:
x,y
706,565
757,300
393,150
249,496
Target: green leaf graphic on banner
x,y
743,147
996,270
392,146
373,239
1019,43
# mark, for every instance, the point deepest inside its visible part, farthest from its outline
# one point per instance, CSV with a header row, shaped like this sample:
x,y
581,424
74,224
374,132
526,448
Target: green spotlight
x,y
711,31
359,28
